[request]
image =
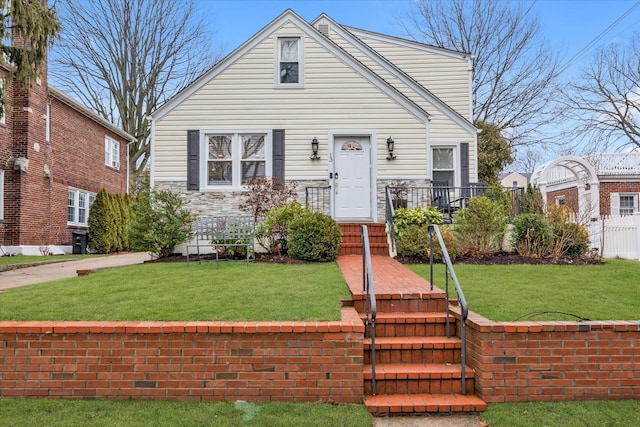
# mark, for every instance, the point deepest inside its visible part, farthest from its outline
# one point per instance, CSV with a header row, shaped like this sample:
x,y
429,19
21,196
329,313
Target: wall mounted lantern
x,y
390,144
314,149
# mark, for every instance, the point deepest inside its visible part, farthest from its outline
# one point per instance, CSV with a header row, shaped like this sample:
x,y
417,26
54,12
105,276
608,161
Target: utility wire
x,y
585,49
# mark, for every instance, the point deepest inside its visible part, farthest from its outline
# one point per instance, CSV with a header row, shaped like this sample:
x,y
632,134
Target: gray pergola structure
x,y
568,172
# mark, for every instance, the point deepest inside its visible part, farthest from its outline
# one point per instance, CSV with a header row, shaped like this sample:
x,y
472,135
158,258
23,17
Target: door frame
x,y
373,170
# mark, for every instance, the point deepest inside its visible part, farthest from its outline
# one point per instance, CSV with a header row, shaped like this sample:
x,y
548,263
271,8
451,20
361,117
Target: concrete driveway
x,y
62,270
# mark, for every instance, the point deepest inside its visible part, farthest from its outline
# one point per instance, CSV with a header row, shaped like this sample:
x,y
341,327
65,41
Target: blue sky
x,y
568,25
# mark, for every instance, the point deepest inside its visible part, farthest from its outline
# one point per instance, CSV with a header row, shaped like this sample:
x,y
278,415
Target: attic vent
x,y
324,29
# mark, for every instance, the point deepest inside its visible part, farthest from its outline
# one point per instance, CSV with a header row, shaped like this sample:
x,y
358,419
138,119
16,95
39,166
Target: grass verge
x,y
68,413
508,292
566,414
175,291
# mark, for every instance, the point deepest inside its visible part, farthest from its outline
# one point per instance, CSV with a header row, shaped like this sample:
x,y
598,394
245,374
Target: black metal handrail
x,y
317,199
368,287
390,214
462,302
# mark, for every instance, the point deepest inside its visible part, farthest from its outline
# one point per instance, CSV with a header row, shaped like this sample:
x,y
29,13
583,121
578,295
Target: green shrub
x,y
415,216
272,233
481,225
571,239
415,243
159,222
411,234
532,235
314,236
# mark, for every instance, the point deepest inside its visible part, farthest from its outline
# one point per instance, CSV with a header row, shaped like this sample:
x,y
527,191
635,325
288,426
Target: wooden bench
x,y
226,235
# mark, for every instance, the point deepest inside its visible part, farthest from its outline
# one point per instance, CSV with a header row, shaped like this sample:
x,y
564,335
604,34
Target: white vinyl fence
x,y
616,236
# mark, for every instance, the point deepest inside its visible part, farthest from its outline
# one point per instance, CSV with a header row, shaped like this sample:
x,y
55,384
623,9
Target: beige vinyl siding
x,y
334,98
441,127
445,76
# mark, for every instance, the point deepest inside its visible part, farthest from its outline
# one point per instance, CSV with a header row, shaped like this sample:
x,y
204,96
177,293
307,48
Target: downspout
x,y
128,167
151,151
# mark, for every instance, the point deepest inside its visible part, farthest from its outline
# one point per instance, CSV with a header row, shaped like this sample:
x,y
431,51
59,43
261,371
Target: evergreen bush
x,y
272,233
314,236
532,235
481,225
159,222
102,237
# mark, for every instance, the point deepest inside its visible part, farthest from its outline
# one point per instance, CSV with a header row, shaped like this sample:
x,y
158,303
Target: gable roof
x,y
65,99
286,17
350,34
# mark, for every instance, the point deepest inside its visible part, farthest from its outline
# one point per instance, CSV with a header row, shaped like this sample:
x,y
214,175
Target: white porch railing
x,y
616,236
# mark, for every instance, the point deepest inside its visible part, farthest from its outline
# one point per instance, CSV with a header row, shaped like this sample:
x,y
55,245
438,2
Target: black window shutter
x,y
464,164
278,155
193,160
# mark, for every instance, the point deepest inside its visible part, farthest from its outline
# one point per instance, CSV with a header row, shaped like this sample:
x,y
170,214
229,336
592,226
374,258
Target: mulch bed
x,y
500,258
508,258
260,257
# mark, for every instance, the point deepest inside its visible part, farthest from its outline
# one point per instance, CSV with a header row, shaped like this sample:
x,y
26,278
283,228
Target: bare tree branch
x,y
124,58
605,99
514,71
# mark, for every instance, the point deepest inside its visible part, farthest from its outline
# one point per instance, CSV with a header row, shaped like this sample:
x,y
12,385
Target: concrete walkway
x,y
65,269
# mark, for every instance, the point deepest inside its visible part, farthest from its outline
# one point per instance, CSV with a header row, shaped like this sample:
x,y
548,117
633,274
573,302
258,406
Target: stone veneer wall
x,y
228,202
207,361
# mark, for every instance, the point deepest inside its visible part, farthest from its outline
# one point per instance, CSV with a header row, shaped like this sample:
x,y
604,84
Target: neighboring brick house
x,y
599,184
55,155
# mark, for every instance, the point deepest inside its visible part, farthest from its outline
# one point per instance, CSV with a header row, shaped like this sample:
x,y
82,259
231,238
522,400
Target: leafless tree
x,y
124,58
514,70
605,99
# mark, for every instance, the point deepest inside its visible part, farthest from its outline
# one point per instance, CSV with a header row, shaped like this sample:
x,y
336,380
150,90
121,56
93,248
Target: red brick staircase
x,y
352,243
418,369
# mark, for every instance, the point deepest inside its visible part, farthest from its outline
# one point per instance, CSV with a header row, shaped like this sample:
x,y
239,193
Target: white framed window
x,y
444,169
233,159
624,203
628,204
1,194
289,62
78,204
111,152
561,201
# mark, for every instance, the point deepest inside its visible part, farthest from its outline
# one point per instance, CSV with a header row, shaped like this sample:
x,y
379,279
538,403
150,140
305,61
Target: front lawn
x,y
565,414
67,413
177,291
508,292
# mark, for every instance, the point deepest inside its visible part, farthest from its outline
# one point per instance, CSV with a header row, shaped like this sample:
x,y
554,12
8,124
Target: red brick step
x,y
396,404
352,239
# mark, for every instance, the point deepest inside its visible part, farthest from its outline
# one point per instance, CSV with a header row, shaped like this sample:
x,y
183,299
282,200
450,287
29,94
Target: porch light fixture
x,y
314,149
390,144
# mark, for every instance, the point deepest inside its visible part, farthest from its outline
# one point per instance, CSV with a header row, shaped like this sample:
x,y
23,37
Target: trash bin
x,y
79,242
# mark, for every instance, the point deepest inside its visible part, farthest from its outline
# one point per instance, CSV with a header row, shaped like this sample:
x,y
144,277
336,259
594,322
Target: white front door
x,y
352,178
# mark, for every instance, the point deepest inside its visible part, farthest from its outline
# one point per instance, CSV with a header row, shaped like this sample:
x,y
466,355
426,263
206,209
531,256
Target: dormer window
x,y
289,66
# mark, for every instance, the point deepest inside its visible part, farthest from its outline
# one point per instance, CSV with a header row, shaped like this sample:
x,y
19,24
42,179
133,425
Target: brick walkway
x,y
390,277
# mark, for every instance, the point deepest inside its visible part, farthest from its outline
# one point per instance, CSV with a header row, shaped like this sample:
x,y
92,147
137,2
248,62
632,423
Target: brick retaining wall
x,y
208,361
554,361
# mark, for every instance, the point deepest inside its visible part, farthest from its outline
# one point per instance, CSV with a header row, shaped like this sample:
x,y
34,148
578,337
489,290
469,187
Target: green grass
x,y
507,292
35,259
65,413
565,414
175,291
